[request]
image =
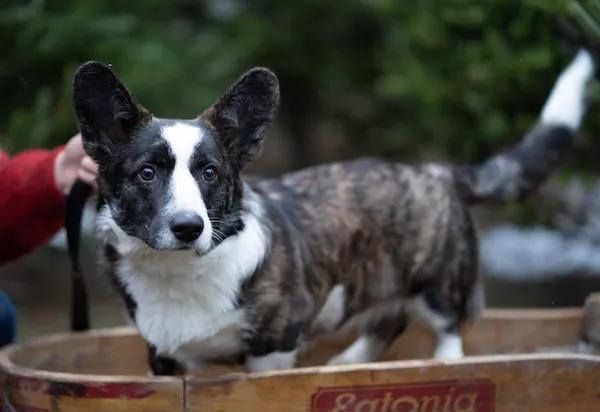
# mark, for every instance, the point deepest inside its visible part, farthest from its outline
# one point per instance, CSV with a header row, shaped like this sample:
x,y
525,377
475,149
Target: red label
x,y
82,390
19,408
475,395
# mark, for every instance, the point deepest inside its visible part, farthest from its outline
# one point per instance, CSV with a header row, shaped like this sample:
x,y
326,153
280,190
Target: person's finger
x,y
89,165
87,177
76,145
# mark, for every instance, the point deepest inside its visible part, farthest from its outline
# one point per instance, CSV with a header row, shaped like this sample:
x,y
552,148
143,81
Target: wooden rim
x,y
11,368
533,314
395,365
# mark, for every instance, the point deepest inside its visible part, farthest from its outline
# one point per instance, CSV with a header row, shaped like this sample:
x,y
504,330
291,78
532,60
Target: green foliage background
x,y
408,80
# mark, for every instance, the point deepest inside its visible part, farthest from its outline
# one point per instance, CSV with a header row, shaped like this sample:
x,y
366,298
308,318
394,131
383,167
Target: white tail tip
x,y
566,103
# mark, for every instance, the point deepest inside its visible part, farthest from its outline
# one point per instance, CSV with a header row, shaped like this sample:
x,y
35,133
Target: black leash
x,y
75,203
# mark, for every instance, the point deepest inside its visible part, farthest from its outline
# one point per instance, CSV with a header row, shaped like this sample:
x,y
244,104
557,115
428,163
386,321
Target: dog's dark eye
x,y
147,173
209,173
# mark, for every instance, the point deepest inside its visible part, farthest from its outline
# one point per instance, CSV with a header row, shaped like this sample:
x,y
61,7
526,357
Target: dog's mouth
x,y
162,243
182,247
173,247
201,253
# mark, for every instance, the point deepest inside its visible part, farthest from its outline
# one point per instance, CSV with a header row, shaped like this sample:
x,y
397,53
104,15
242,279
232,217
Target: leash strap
x,y
75,203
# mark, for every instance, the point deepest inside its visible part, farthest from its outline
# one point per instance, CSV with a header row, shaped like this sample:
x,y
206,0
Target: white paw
x,y
449,347
365,349
341,360
272,361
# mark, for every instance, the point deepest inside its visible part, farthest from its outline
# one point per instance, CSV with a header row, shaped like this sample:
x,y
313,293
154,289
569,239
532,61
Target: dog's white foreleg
x,y
271,361
366,348
449,346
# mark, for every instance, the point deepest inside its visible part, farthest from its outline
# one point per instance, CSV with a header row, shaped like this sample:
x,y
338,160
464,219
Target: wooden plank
x,y
115,351
121,351
591,321
498,331
502,383
523,330
26,389
106,370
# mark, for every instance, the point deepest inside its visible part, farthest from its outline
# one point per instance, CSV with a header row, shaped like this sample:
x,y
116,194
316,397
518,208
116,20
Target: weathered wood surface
x,y
498,331
106,370
101,371
591,320
504,383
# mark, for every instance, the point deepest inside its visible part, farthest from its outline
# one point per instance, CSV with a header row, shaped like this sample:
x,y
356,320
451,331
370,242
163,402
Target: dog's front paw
x,y
161,365
449,347
341,359
271,361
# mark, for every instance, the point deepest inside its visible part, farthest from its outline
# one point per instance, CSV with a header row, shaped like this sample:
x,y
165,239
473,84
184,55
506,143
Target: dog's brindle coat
x,y
276,261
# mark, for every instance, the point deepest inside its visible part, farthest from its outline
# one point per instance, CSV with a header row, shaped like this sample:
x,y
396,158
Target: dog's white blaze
x,y
183,298
566,103
185,194
271,361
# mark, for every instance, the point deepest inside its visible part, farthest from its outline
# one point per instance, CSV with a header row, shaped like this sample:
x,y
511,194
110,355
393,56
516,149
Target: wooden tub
x,y
105,370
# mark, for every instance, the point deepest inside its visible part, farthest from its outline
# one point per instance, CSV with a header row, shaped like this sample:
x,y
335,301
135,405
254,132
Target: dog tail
x,y
520,170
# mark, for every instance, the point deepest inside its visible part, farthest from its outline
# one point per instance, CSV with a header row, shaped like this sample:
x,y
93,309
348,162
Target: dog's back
x,y
360,220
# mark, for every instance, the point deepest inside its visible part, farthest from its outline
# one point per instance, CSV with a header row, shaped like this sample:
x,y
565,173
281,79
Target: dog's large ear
x,y
242,115
107,113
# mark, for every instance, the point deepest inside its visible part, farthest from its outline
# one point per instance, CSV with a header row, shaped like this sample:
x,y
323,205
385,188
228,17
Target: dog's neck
x,y
180,296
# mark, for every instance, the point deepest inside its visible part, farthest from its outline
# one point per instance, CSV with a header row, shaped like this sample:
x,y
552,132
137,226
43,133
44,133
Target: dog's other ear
x,y
107,113
242,115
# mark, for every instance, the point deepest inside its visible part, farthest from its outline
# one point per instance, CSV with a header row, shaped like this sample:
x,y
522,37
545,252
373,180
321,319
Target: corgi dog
x,y
216,266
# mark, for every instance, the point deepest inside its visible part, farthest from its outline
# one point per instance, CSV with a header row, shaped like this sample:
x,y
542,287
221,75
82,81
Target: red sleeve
x,y
31,207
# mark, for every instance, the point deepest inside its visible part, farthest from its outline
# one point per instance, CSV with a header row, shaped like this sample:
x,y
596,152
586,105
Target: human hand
x,y
72,164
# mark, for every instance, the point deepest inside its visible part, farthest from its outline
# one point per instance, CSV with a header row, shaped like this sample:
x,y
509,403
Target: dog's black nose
x,y
186,226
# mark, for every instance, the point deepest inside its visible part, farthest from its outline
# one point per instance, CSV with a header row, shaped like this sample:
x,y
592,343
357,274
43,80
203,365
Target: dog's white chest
x,y
183,299
177,301
226,344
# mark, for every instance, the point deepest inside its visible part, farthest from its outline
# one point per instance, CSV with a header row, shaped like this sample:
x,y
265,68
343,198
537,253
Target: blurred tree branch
x,y
406,80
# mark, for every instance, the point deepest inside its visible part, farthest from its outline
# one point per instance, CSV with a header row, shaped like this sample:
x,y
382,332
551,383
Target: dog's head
x,y
173,184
